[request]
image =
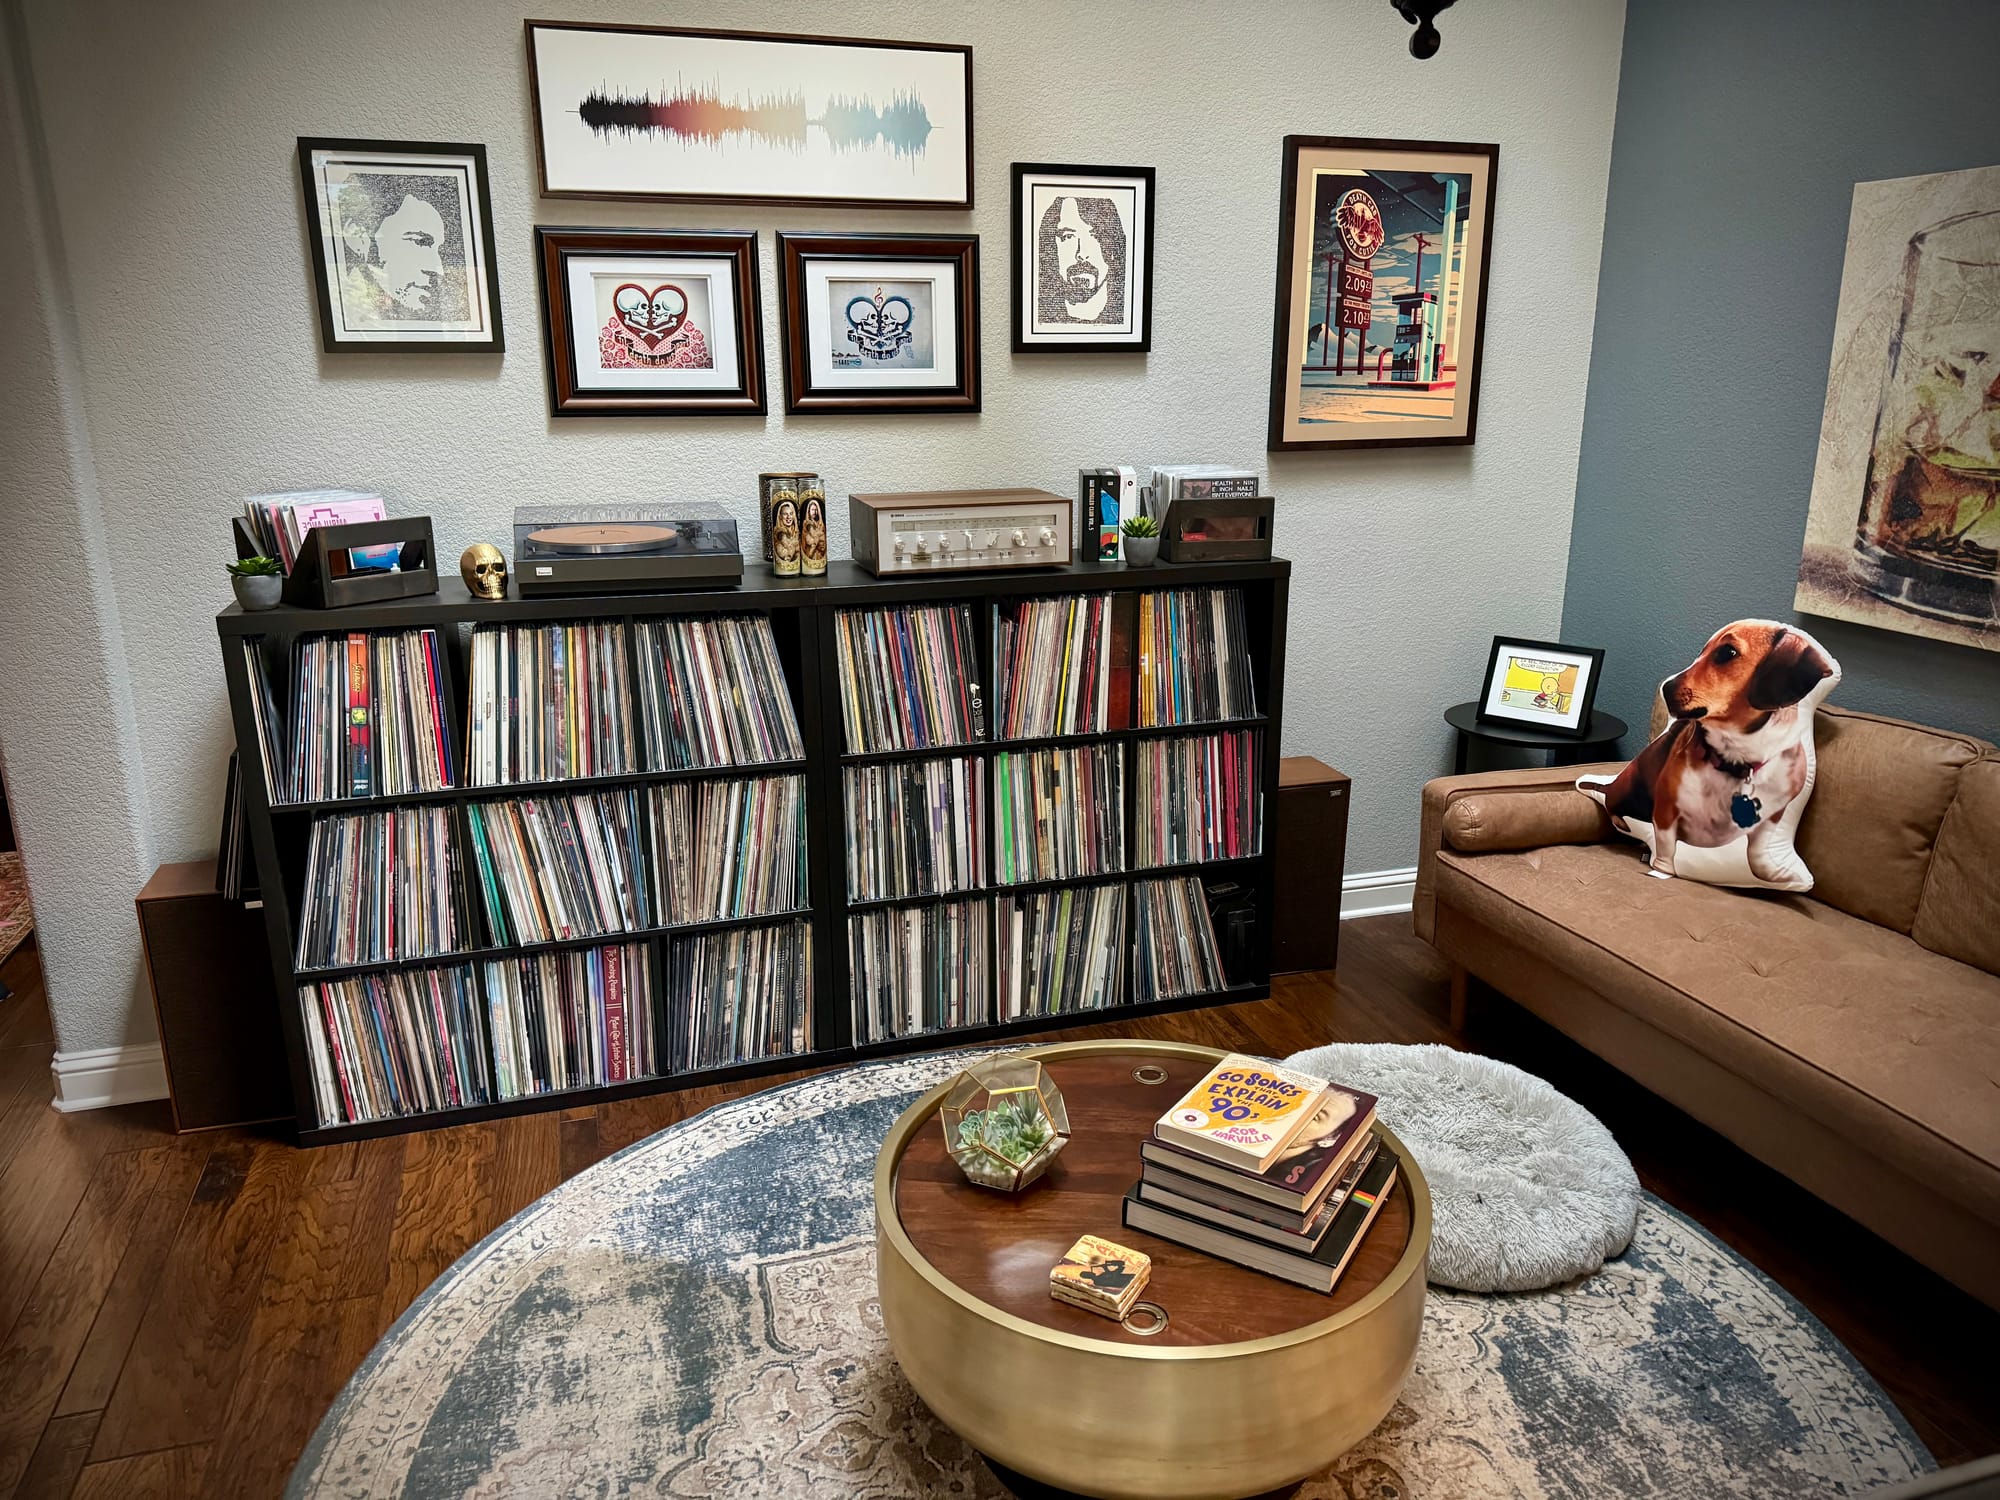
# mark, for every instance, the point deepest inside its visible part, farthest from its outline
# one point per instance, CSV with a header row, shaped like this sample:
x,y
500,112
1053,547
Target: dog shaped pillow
x,y
1718,796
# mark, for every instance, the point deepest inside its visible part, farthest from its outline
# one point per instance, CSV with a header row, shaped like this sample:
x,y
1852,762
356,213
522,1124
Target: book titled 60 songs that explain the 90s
x,y
1243,1113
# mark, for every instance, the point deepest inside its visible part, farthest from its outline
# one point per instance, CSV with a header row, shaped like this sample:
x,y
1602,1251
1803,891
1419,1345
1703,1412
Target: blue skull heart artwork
x,y
881,325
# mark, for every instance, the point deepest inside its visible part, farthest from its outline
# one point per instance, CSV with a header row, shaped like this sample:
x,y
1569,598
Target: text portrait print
x,y
1082,258
401,239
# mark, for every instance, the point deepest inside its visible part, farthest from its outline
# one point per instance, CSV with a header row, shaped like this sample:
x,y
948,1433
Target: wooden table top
x,y
1000,1247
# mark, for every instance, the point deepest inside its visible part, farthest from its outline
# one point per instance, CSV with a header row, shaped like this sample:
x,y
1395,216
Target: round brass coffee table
x,y
1253,1383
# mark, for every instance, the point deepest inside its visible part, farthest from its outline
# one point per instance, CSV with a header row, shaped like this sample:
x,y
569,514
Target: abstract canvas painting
x,y
664,112
1903,532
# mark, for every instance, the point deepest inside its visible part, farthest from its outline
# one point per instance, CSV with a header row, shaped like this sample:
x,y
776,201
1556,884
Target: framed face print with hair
x,y
1083,258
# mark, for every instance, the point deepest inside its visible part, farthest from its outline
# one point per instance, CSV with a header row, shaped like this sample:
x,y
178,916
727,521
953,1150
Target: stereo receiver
x,y
949,531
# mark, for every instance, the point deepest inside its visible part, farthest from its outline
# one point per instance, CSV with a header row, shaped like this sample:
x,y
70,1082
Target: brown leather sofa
x,y
1850,1037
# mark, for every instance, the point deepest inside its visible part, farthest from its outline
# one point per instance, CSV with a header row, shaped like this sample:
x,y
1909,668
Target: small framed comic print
x,y
651,322
1540,685
401,237
1383,252
880,323
1083,258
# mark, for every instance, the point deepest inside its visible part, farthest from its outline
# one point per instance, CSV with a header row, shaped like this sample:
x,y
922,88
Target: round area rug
x,y
696,1316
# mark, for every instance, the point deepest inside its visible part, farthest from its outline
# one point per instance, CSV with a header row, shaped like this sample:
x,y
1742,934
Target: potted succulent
x,y
259,582
1142,542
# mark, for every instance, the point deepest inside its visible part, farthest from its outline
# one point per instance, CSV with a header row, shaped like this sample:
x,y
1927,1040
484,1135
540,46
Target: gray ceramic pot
x,y
1141,551
257,590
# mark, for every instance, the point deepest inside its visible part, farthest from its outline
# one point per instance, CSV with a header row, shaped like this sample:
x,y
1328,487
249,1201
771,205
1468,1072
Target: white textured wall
x,y
171,135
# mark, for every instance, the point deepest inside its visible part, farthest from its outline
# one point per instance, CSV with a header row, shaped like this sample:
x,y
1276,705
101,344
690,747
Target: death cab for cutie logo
x,y
1360,224
650,328
1240,1098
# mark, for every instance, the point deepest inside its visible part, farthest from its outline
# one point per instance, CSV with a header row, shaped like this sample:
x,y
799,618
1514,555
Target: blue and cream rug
x,y
696,1317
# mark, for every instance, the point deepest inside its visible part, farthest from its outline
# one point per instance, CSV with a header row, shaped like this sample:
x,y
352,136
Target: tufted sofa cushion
x,y
1858,1026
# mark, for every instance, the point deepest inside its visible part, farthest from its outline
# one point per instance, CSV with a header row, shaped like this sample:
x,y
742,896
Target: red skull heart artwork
x,y
652,317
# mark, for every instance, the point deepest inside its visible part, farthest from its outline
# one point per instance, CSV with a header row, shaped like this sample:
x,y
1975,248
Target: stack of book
x,y
1267,1167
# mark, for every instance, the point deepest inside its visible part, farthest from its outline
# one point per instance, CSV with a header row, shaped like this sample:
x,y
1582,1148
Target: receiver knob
x,y
899,546
1048,537
1020,538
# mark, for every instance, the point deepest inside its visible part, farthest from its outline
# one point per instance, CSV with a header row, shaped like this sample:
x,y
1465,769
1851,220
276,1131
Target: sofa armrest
x,y
1521,809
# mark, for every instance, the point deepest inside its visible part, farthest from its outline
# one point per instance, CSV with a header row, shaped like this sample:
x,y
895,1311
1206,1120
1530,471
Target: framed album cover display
x,y
749,116
651,322
880,323
1383,250
401,240
1083,258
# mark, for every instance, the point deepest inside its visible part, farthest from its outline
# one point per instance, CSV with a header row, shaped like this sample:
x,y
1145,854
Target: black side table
x,y
1602,735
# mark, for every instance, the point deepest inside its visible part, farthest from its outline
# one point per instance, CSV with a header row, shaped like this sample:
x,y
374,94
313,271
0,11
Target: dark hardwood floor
x,y
176,1312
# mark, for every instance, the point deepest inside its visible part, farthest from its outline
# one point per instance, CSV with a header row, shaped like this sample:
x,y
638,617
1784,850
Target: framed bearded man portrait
x,y
401,238
1083,258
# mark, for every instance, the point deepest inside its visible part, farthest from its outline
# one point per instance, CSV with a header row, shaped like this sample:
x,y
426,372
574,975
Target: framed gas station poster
x,y
1383,249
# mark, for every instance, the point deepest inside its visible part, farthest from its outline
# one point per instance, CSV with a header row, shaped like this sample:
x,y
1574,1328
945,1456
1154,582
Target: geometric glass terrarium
x,y
1004,1122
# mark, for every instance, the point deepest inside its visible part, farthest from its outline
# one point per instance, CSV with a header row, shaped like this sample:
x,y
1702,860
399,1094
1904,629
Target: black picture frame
x,y
318,238
804,395
1520,645
1026,256
571,396
531,27
1287,434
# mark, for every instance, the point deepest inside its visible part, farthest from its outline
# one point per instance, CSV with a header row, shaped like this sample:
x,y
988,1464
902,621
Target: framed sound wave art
x,y
746,116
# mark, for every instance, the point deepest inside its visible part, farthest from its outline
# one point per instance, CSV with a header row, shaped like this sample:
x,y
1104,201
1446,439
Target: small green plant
x,y
1014,1129
256,567
1141,526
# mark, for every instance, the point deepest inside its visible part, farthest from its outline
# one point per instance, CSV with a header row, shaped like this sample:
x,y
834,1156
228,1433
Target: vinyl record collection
x,y
395,1044
1194,657
740,995
1053,669
909,678
380,885
270,726
1200,798
235,866
734,848
918,968
1173,943
608,698
1061,951
1061,813
368,716
572,1020
915,828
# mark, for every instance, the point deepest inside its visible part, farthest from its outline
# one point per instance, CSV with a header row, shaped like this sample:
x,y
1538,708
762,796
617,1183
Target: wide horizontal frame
x,y
1581,730
1018,277
556,245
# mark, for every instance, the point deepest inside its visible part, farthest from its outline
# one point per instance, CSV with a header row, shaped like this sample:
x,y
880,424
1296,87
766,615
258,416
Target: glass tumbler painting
x,y
1929,532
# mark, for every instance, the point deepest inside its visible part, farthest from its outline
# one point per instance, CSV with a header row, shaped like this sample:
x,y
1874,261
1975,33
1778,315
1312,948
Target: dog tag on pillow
x,y
1745,810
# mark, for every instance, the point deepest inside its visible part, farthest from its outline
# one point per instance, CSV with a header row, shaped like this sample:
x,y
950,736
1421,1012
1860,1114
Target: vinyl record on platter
x,y
585,541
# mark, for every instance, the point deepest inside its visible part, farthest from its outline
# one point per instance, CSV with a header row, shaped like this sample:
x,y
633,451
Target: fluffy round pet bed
x,y
1528,1190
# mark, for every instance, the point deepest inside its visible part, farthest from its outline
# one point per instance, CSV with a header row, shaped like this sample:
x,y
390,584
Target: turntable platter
x,y
589,541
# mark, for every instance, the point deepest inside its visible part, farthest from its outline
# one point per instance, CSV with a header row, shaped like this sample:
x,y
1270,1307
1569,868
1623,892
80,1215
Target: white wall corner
x,y
104,1076
1375,893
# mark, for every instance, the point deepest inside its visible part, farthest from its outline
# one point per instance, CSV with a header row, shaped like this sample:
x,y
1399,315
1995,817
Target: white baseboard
x,y
105,1076
1376,893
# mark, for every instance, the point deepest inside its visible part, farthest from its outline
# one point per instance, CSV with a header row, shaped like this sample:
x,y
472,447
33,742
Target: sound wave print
x,y
902,125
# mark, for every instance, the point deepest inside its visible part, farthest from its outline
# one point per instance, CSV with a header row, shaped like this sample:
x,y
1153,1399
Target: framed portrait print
x,y
651,322
401,240
749,116
1383,249
1540,685
884,323
1083,258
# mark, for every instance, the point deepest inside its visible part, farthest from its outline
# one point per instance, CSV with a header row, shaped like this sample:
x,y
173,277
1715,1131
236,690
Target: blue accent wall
x,y
1742,129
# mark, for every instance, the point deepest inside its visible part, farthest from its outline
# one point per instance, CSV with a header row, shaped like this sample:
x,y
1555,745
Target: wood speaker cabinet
x,y
210,974
1310,830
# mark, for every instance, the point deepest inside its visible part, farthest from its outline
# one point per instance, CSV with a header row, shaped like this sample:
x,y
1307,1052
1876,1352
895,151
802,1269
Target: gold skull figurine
x,y
484,569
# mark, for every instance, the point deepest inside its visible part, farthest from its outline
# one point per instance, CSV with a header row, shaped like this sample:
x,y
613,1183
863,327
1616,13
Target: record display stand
x,y
804,622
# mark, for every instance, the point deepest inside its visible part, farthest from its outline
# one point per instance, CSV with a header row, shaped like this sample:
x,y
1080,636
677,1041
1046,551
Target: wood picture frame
x,y
741,127
1506,697
675,326
400,236
1089,229
915,349
1353,207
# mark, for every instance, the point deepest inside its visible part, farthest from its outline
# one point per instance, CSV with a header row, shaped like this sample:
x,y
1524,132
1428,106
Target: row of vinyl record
x,y
368,717
1194,657
1060,813
909,677
915,827
925,968
1200,798
1054,667
417,1040
381,885
613,697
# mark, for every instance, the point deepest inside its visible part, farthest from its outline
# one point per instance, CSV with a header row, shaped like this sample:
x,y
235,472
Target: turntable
x,y
614,549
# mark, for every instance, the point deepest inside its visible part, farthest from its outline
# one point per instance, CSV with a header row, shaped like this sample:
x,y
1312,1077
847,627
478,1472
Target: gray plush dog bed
x,y
1527,1188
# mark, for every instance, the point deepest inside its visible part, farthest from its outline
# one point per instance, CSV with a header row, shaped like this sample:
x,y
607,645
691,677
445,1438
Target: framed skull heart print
x,y
880,323
643,322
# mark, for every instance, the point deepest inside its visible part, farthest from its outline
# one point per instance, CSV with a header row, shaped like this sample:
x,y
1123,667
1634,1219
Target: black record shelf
x,y
803,619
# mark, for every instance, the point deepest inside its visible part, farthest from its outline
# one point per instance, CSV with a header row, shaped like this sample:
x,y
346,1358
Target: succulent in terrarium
x,y
1004,1121
1015,1128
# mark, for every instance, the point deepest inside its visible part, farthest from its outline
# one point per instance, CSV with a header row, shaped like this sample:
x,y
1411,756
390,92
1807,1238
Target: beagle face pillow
x,y
1718,796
